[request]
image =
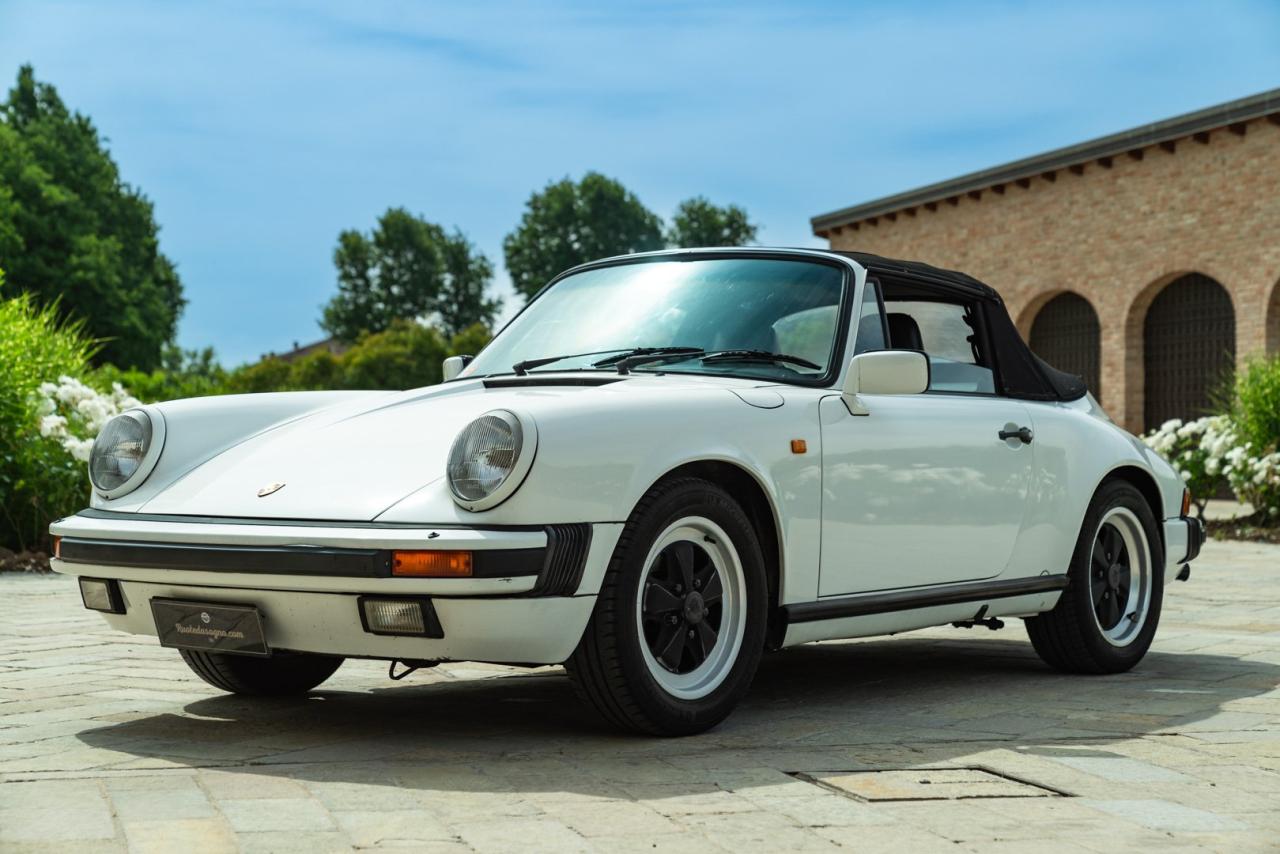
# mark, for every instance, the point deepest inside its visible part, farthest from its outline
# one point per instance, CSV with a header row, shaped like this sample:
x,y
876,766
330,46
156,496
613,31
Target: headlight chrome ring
x,y
126,451
490,459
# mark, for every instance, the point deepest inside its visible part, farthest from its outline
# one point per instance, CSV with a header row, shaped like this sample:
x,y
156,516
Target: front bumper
x,y
528,601
1183,538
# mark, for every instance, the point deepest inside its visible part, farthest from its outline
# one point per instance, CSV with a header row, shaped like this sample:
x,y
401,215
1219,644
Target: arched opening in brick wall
x,y
1066,334
1189,349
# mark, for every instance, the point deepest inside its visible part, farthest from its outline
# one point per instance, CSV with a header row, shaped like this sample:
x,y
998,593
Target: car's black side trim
x,y
567,547
277,560
1195,538
907,600
282,560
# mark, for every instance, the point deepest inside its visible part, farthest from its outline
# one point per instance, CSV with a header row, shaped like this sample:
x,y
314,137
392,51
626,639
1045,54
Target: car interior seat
x,y
904,332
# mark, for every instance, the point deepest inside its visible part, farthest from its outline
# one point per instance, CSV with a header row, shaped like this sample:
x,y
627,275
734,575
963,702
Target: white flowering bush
x,y
1211,452
1196,449
1255,478
39,479
72,413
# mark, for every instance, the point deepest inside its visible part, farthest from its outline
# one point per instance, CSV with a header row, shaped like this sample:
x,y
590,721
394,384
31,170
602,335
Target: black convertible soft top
x,y
1020,373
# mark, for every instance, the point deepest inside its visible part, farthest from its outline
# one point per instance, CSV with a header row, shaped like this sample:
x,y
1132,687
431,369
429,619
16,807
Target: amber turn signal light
x,y
431,564
57,546
1186,502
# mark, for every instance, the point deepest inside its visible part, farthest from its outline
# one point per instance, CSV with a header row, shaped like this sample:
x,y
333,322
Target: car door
x,y
924,490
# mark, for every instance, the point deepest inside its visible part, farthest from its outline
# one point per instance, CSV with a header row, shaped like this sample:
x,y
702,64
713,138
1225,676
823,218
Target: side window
x,y
948,333
870,322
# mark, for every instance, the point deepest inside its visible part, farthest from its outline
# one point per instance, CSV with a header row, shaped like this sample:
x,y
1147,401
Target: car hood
x,y
354,461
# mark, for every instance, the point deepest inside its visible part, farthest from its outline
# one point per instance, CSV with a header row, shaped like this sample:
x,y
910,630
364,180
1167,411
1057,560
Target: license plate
x,y
213,628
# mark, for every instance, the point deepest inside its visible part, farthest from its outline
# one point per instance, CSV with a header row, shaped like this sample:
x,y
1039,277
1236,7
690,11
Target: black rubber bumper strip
x,y
1195,538
909,600
282,560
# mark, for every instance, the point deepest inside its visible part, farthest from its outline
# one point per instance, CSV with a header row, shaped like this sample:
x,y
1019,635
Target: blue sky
x,y
262,130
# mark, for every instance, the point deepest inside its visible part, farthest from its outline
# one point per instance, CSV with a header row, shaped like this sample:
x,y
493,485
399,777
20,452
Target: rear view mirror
x,y
454,365
884,372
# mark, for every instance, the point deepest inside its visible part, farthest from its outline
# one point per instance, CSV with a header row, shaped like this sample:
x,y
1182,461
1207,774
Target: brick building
x,y
1147,261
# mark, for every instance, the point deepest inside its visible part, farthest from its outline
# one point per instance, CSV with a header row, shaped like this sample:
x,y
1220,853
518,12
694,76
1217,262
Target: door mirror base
x,y
454,365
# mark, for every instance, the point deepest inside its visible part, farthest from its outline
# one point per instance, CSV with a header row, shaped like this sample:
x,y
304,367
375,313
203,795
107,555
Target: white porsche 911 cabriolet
x,y
664,466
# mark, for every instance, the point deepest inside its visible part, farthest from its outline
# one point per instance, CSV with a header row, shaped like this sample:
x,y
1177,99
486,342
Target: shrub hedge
x,y
1239,449
408,355
1257,403
39,480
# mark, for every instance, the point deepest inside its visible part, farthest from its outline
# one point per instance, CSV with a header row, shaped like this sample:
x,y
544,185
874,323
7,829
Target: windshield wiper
x,y
758,356
522,368
645,355
626,359
640,355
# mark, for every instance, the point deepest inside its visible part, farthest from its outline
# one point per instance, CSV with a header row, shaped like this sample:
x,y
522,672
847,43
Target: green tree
x,y
185,373
72,233
270,374
462,302
404,355
698,222
567,224
470,341
407,269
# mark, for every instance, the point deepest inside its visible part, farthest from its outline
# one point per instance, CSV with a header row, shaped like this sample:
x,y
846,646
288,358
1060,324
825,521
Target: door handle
x,y
1022,434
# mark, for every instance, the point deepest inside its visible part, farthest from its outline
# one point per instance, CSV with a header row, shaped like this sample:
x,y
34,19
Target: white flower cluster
x,y
73,413
1209,452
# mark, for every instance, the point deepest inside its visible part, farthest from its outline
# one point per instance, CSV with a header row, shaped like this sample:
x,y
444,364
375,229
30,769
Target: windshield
x,y
711,305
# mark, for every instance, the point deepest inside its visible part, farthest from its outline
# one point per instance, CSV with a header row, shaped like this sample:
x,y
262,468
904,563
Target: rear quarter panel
x,y
1076,449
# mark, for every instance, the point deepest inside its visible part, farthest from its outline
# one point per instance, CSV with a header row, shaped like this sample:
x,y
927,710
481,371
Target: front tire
x,y
283,674
679,624
1107,617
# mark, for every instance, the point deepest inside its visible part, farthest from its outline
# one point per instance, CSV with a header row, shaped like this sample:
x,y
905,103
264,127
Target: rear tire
x,y
283,674
1106,618
679,625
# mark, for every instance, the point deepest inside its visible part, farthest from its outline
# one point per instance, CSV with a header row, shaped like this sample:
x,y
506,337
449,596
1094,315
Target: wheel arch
x,y
748,490
1143,481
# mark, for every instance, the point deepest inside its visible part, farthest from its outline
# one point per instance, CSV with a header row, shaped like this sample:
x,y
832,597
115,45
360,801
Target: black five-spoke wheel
x,y
1106,618
683,606
679,625
689,608
1110,580
1120,569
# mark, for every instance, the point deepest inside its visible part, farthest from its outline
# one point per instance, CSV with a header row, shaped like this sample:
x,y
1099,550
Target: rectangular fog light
x,y
399,617
101,594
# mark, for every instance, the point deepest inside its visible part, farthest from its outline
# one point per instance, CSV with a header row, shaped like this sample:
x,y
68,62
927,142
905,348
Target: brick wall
x,y
1116,236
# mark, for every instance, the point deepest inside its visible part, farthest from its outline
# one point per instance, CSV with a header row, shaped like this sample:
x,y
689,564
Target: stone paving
x,y
944,740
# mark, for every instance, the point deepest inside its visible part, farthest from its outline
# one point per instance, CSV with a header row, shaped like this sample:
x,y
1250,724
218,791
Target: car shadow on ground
x,y
885,703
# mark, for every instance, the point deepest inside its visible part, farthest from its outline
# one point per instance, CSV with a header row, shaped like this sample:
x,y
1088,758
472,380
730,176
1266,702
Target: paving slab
x,y
109,743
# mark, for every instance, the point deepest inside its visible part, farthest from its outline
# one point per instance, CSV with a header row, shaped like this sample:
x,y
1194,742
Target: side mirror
x,y
454,365
884,372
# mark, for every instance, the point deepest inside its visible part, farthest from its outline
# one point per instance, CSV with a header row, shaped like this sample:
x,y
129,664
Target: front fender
x,y
597,458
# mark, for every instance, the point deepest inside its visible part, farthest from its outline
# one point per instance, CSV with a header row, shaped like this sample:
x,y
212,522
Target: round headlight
x,y
489,459
124,453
